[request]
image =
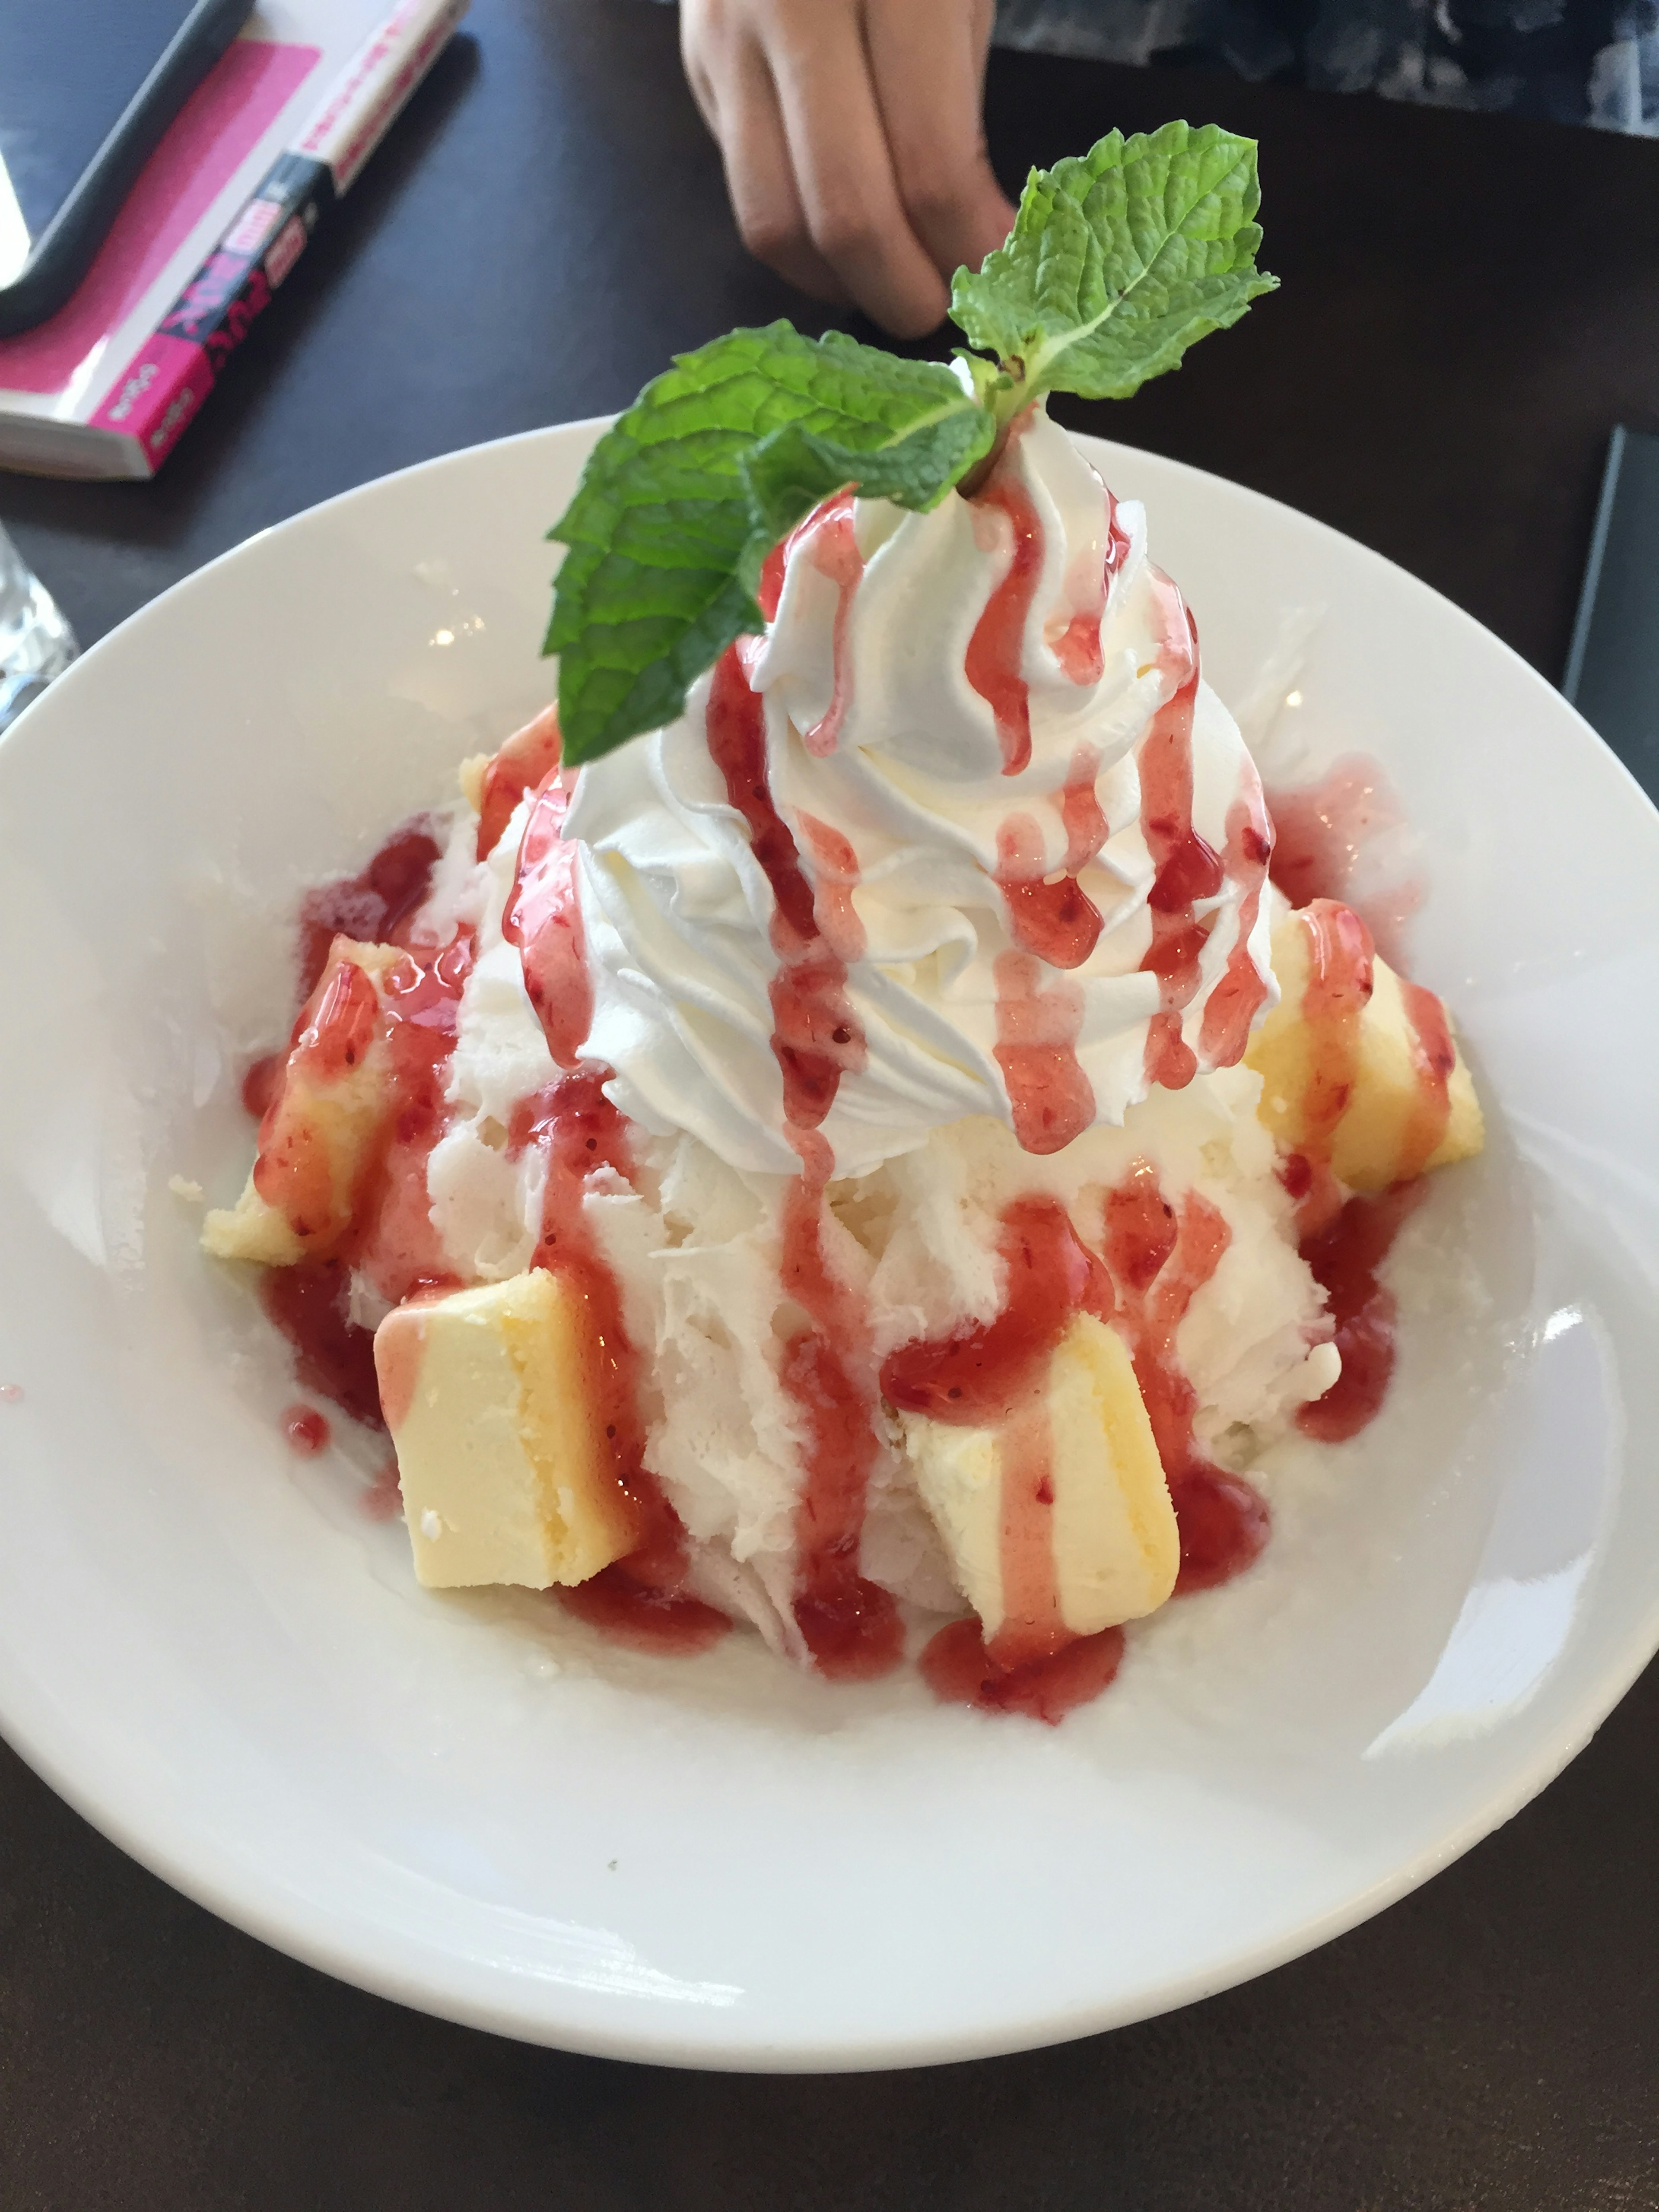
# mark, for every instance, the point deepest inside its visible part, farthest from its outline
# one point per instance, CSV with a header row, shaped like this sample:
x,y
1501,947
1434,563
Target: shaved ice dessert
x,y
875,1158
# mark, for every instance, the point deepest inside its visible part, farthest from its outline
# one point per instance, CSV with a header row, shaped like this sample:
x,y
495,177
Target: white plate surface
x,y
209,1649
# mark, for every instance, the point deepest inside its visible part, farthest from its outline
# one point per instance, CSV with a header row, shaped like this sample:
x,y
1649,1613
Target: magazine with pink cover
x,y
261,151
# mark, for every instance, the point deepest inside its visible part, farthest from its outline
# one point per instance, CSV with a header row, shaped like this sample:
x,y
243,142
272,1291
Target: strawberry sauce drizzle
x,y
976,1378
376,907
849,1624
260,1084
527,759
1320,831
827,540
1056,921
1081,811
995,1375
1158,1260
996,650
399,1247
306,1430
336,1030
1345,1256
543,918
835,864
1345,1242
412,1017
640,1599
1077,648
1238,993
1434,1055
1322,834
1033,1626
960,1671
1186,868
332,1356
1051,1098
1341,978
391,1237
817,1037
1049,915
1155,1259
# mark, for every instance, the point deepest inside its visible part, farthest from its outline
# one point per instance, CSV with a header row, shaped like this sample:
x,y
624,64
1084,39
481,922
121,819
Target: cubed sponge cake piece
x,y
1112,1528
327,1125
505,1476
1397,1122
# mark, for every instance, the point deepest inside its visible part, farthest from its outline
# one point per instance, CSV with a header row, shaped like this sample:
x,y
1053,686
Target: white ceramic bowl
x,y
471,1806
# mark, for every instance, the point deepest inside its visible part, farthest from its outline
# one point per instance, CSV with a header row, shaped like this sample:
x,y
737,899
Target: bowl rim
x,y
368,1957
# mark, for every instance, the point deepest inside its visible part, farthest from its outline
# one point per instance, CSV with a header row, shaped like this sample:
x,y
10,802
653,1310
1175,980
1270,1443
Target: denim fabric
x,y
1575,61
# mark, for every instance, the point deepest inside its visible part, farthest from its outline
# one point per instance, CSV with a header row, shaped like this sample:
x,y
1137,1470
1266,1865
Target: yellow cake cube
x,y
326,1128
1379,1138
1112,1528
504,1470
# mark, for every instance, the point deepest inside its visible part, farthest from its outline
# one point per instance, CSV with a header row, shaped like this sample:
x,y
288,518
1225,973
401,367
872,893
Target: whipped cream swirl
x,y
964,833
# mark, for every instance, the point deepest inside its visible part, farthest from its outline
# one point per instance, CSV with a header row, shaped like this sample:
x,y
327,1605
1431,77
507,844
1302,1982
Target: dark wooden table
x,y
1469,303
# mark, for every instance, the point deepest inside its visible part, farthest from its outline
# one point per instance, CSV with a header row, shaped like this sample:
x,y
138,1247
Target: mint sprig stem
x,y
1118,261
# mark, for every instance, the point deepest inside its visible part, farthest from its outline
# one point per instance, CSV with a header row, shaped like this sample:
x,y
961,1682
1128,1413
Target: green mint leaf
x,y
683,497
1118,261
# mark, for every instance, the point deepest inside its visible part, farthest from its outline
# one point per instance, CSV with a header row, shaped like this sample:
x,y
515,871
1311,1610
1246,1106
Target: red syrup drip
x,y
1321,835
1081,811
528,758
826,539
1159,1260
1341,977
638,1600
1057,921
543,919
835,864
1434,1055
772,569
1185,869
1050,1097
390,1236
395,1241
1345,1242
336,1030
261,1082
1344,1257
976,1378
576,1129
960,1671
1237,998
307,1430
1077,648
849,1624
332,1355
817,1037
770,594
995,1375
376,907
996,649
412,1014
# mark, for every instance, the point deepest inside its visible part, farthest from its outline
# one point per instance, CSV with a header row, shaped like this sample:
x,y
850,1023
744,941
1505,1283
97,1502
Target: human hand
x,y
854,142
